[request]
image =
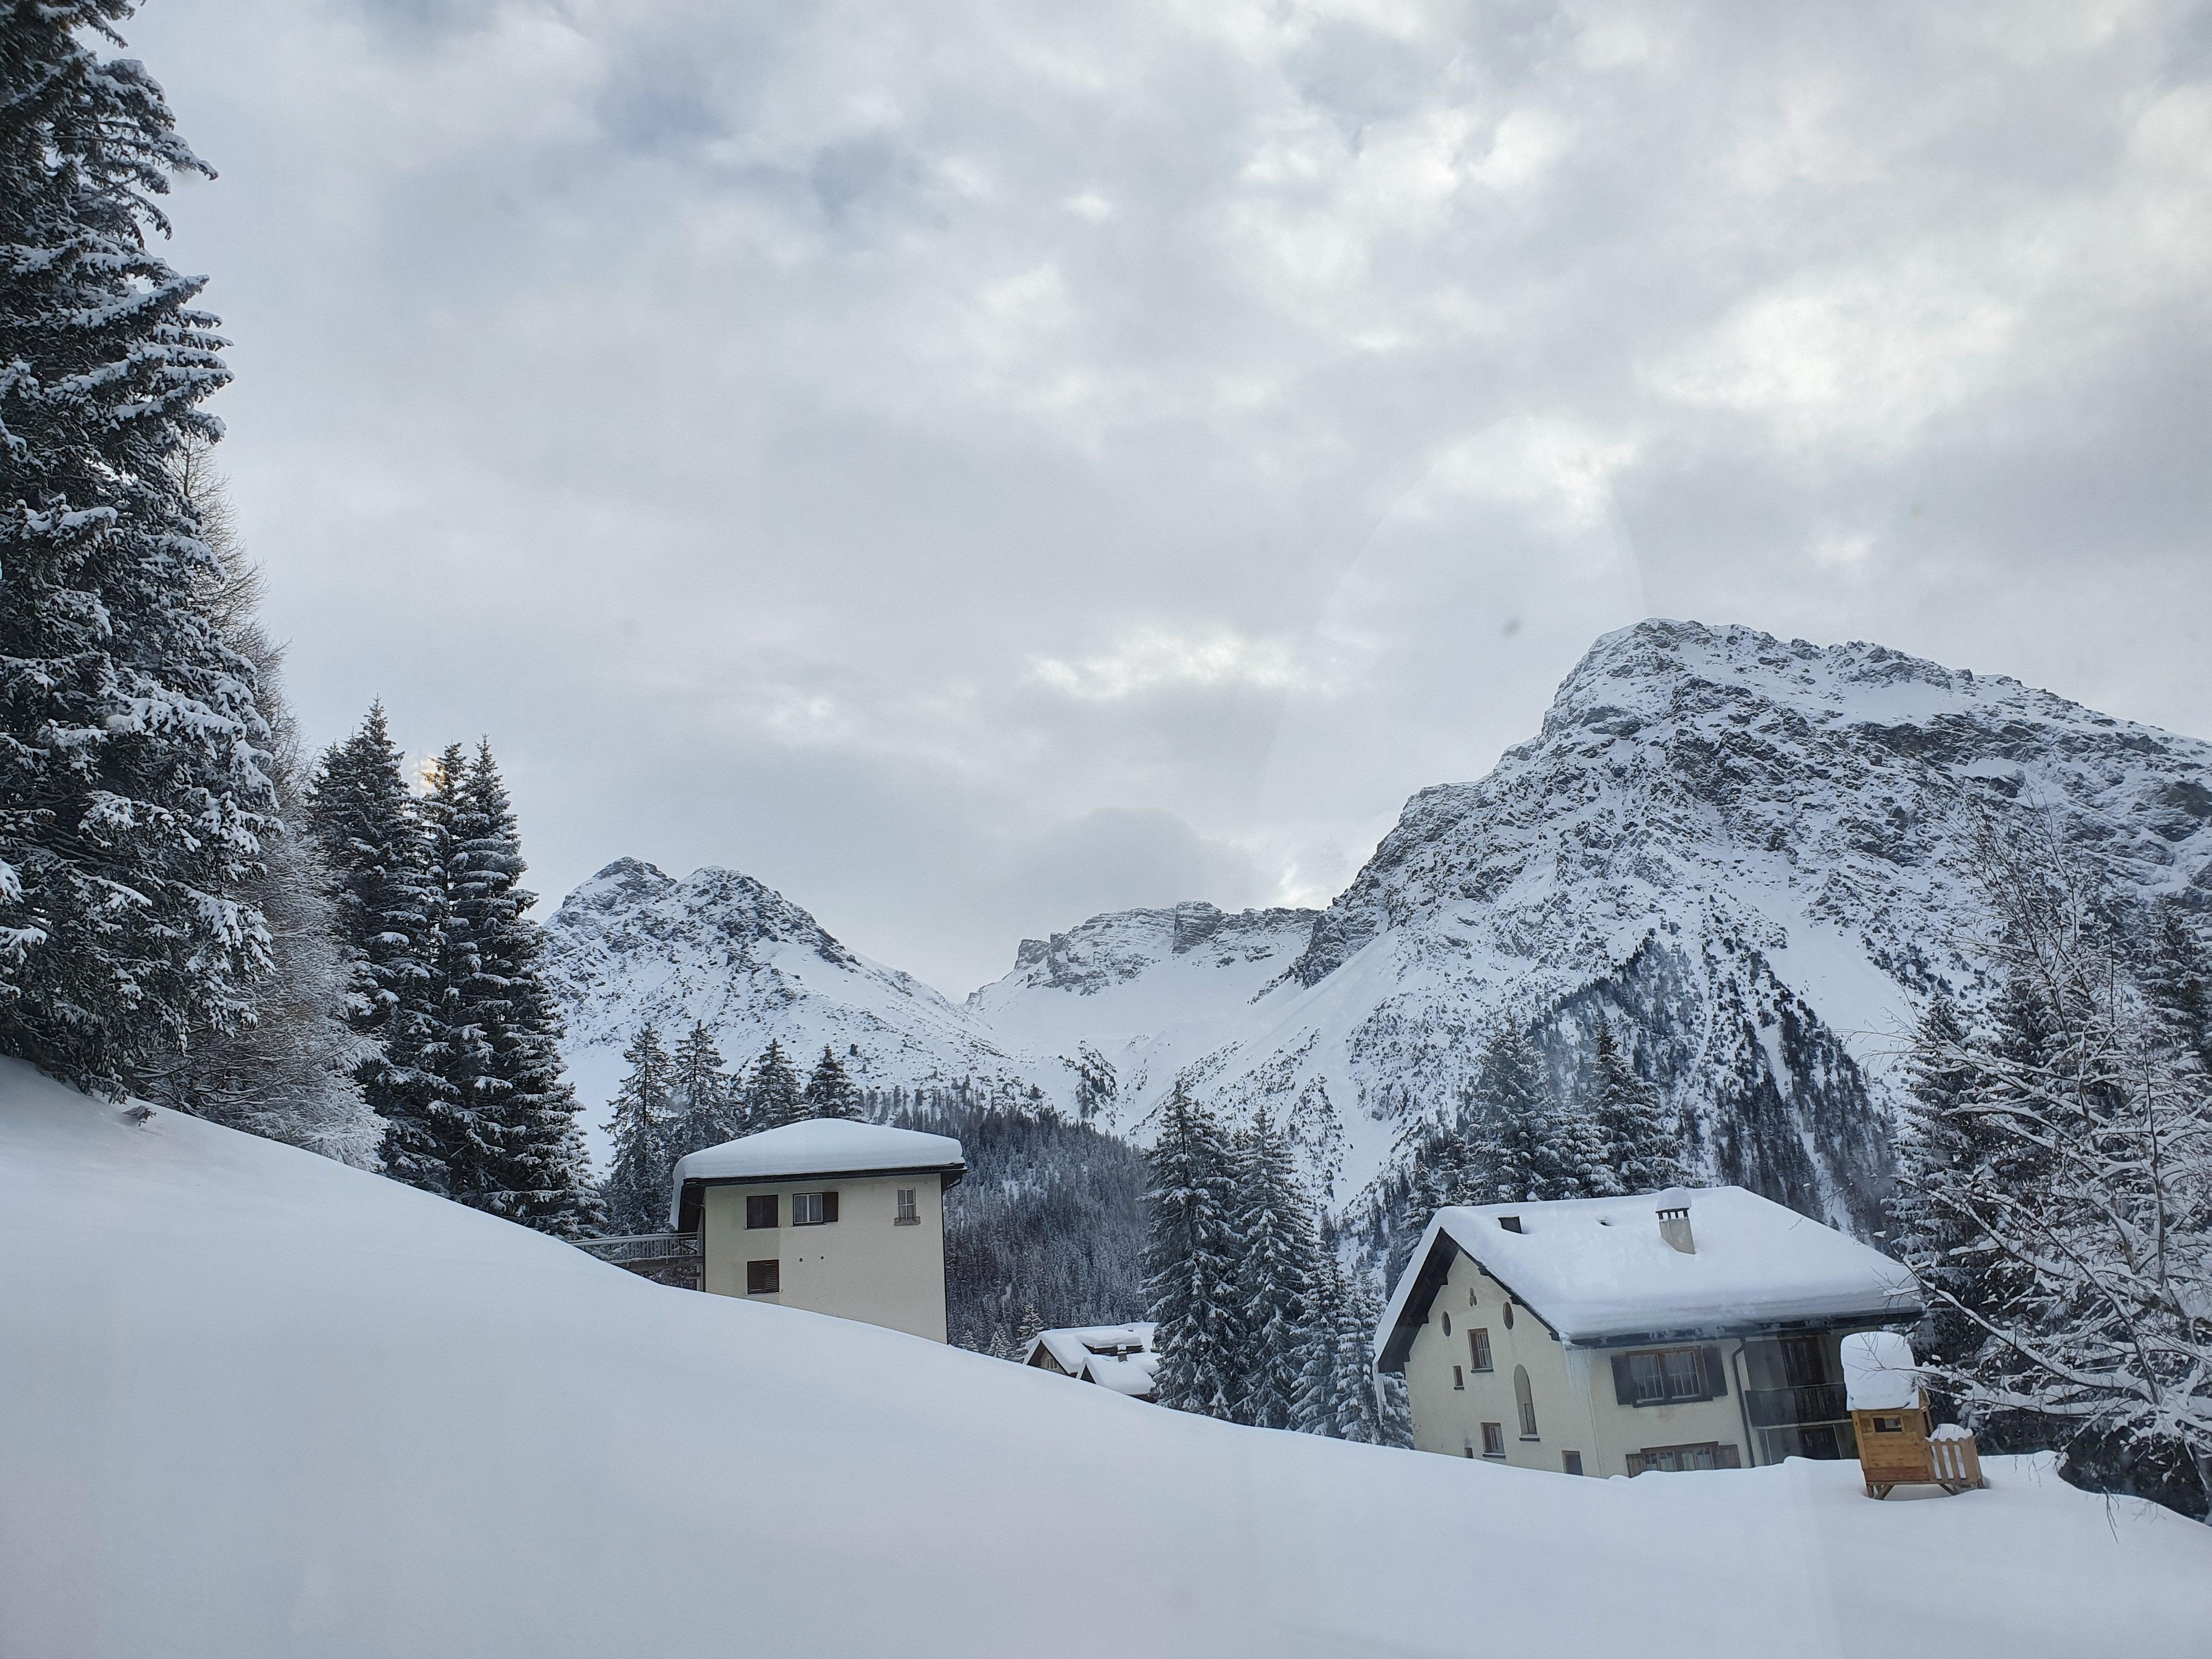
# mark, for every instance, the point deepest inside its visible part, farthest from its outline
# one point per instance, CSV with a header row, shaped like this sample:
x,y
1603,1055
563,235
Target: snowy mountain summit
x,y
1751,856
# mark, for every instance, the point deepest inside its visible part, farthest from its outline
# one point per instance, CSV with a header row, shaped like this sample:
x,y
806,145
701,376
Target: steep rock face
x,y
1755,854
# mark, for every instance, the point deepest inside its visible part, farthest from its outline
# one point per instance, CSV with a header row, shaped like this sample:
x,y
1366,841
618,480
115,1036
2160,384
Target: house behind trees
x,y
1679,1330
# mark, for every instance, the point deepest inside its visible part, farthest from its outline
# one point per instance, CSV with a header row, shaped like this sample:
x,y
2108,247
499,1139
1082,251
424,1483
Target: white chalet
x,y
835,1217
1679,1330
1116,1356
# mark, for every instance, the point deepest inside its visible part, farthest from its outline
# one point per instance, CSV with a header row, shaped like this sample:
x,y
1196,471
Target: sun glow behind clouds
x,y
1153,659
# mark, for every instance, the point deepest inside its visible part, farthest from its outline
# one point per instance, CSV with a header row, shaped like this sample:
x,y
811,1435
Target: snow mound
x,y
261,1405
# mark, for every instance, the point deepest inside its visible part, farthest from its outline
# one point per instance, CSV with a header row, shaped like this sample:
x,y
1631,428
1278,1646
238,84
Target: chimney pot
x,y
1674,1228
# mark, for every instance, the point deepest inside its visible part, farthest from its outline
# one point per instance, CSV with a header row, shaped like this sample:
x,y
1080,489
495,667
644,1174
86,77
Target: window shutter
x,y
1727,1457
1624,1386
829,1206
1716,1374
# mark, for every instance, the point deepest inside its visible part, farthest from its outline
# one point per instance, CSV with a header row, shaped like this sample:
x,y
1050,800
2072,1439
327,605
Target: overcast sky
x,y
974,467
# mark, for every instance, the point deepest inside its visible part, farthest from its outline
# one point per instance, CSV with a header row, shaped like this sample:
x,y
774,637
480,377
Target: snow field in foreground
x,y
252,1403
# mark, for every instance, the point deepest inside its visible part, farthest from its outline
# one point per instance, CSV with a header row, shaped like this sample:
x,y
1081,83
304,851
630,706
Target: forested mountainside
x,y
1749,854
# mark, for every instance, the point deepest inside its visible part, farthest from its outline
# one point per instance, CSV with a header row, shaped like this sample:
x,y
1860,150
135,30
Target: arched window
x,y
1526,1400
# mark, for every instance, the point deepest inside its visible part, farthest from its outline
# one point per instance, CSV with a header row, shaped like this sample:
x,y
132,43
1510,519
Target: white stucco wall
x,y
863,1265
1572,1388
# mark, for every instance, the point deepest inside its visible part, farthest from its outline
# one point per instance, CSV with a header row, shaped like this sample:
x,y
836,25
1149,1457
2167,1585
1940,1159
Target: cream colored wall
x,y
1576,1406
862,1265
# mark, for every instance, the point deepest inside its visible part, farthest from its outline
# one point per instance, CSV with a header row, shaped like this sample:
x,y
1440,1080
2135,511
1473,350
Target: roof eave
x,y
687,1201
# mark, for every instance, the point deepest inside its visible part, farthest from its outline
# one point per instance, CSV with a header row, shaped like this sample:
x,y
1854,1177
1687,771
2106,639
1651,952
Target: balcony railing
x,y
665,1258
1815,1402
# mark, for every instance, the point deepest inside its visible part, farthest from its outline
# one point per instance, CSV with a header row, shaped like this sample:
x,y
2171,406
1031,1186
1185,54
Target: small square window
x,y
1889,1425
1478,1348
1571,1462
906,1217
1459,1378
760,1211
763,1277
813,1209
1493,1440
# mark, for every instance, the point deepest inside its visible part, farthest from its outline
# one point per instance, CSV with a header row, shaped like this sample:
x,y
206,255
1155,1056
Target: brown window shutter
x,y
1716,1374
1624,1386
1727,1457
829,1206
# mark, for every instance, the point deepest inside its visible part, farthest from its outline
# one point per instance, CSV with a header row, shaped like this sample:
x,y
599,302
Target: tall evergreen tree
x,y
1190,1264
374,838
1275,1273
1643,1146
636,1192
772,1095
705,1114
515,1113
134,781
2178,978
829,1091
1510,1160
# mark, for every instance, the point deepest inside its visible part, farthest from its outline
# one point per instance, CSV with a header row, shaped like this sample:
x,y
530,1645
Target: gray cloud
x,y
970,469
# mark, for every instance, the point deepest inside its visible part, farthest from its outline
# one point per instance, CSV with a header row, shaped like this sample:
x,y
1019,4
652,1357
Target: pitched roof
x,y
816,1146
1090,1352
1598,1271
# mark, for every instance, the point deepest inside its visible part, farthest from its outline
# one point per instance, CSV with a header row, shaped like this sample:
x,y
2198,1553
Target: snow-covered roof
x,y
1879,1373
1598,1271
1116,1356
816,1147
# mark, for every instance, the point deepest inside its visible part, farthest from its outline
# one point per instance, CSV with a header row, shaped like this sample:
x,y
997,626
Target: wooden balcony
x,y
664,1258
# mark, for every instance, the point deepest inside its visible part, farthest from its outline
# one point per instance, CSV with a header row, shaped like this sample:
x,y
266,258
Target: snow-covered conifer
x,y
636,1192
134,784
705,1114
1276,1266
772,1095
830,1092
1190,1263
1643,1145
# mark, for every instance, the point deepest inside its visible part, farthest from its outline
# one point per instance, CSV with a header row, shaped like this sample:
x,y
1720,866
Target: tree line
x,y
2055,1178
670,1105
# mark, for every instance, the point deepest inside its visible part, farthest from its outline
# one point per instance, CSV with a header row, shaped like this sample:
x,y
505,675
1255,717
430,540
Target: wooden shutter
x,y
830,1213
1727,1457
1716,1374
1624,1385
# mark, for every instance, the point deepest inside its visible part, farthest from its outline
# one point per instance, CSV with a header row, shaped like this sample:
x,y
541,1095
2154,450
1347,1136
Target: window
x,y
1459,1378
1478,1348
1493,1440
1661,1376
1889,1425
763,1277
813,1209
1706,1454
1447,1324
906,1217
760,1211
1510,1224
1509,1313
1470,1296
1571,1462
1526,1399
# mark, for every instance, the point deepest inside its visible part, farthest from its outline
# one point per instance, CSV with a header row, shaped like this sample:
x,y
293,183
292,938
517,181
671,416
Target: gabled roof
x,y
1096,1353
801,1152
1599,1274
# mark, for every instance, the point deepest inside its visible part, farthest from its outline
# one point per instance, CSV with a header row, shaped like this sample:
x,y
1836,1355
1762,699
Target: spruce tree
x,y
705,1114
134,760
373,837
636,1192
1190,1262
1275,1272
1643,1147
772,1095
1510,1159
2177,979
829,1091
515,1113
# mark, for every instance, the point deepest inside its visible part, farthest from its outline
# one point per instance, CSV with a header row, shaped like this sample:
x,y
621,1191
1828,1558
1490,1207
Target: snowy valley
x,y
1750,855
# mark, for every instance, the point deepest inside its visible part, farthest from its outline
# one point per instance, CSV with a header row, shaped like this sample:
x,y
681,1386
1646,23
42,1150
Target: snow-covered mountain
x,y
1750,855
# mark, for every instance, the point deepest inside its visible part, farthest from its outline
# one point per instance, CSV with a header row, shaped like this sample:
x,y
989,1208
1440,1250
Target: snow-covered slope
x,y
1749,854
633,945
258,1404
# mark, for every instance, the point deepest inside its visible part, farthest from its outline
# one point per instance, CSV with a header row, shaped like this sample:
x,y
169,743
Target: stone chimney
x,y
1674,1228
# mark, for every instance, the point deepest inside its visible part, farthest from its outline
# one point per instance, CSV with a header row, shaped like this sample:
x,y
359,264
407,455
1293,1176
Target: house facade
x,y
828,1215
1682,1330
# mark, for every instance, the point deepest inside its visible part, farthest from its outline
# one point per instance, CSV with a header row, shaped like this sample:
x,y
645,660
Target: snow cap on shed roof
x,y
815,1146
1599,1270
1879,1372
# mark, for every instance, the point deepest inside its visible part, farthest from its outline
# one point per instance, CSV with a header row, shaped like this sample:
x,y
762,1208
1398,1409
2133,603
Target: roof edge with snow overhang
x,y
815,1149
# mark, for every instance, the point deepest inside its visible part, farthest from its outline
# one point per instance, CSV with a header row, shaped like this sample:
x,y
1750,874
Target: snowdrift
x,y
253,1403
